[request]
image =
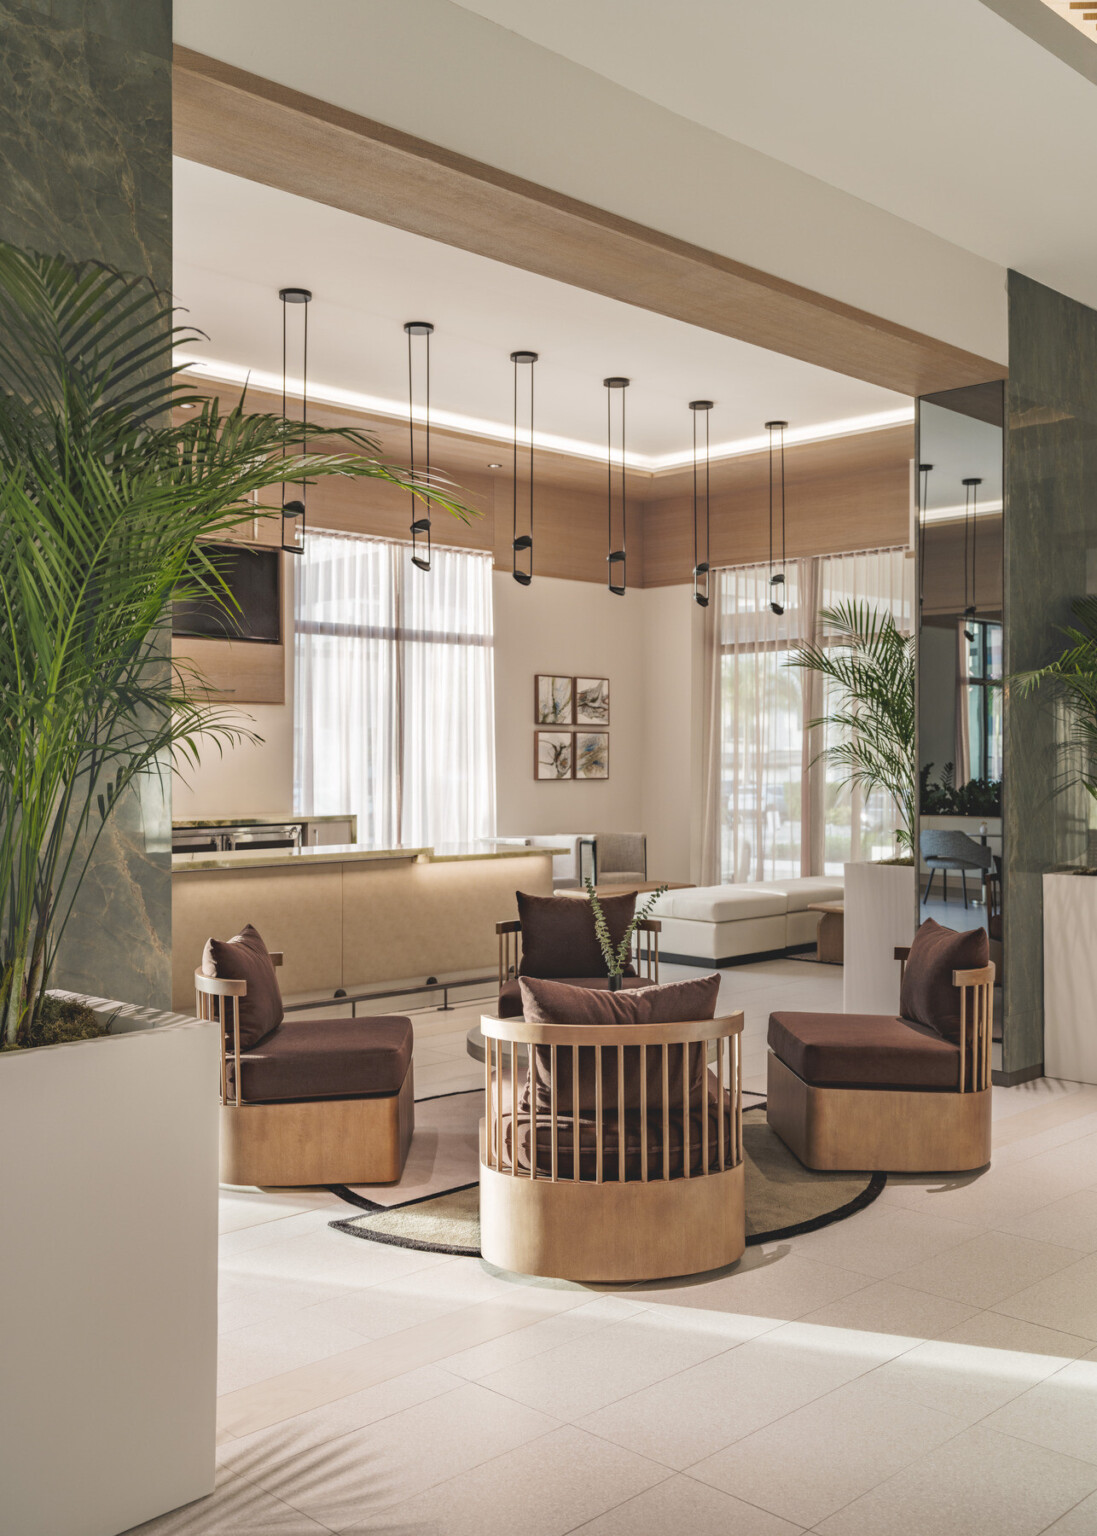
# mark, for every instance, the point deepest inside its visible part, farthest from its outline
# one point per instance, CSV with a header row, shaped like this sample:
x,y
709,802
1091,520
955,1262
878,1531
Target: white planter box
x,y
1070,977
880,904
108,1273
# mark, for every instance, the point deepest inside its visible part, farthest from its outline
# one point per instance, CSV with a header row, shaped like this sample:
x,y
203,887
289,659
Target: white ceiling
x,y
237,242
939,111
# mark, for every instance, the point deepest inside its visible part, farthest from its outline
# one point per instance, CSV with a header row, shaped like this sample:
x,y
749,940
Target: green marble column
x,y
85,146
1050,552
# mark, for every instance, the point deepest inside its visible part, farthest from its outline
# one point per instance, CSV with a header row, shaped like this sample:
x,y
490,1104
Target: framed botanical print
x,y
554,700
553,755
592,701
592,754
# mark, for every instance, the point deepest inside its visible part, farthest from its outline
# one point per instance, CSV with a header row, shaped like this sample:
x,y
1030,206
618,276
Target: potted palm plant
x,y
869,664
1070,903
108,1127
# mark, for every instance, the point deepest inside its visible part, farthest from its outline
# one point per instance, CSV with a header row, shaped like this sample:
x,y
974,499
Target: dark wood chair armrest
x,y
649,925
902,952
511,926
275,956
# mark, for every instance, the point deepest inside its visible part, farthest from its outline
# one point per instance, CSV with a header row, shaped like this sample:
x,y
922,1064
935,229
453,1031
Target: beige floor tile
x,y
881,1242
1079,1521
1066,1301
340,1482
696,1412
683,1504
965,1380
523,1343
330,1259
986,1268
817,1459
993,1330
889,1308
987,1198
256,1456
545,1488
244,1299
979,1484
277,1231
239,1208
772,1281
235,1509
1071,1221
261,1350
1061,1412
577,1378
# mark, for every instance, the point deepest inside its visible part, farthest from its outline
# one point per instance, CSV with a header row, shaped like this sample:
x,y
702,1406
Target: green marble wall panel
x,y
1050,556
85,151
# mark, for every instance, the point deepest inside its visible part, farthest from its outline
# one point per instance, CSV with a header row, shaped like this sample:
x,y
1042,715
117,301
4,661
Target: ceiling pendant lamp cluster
x,y
776,578
419,330
701,567
293,511
971,513
616,558
522,543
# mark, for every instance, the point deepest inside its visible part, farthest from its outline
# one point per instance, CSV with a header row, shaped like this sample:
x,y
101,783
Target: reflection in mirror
x,y
959,500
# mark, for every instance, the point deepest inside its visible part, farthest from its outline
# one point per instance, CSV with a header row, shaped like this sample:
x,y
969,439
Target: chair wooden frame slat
x,y
896,1130
296,1142
605,1220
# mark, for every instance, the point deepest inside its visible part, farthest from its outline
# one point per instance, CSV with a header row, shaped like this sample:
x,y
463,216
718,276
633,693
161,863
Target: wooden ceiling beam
x,y
251,127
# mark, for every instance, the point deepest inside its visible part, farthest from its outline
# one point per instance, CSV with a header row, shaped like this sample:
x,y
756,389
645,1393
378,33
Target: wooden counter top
x,y
347,853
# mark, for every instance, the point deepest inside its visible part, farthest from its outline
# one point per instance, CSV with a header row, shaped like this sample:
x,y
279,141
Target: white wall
x,y
249,779
674,705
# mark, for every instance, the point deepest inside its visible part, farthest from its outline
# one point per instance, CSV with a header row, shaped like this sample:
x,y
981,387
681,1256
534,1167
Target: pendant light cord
x,y
283,399
974,537
771,506
784,556
304,402
695,561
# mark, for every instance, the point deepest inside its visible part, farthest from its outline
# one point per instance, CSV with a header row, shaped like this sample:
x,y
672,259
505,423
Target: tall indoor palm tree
x,y
104,504
871,664
1073,677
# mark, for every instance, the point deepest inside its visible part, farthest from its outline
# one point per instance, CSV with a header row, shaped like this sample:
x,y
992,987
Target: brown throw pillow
x,y
244,957
558,937
551,1002
928,995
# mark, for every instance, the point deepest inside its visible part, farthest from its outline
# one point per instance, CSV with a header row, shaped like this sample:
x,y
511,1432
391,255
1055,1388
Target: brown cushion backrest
x,y
510,993
558,937
928,995
552,1002
245,958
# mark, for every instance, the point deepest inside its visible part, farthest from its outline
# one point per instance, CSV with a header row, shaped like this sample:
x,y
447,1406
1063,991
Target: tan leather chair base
x,y
886,1130
578,1230
318,1141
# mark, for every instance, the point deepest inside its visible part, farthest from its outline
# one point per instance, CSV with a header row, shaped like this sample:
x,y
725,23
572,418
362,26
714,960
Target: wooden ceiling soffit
x,y
251,127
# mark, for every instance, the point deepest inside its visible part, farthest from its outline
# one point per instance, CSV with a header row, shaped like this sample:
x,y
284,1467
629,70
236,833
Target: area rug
x,y
783,1198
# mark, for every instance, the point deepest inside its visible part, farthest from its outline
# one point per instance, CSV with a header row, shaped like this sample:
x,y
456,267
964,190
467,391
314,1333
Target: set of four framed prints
x,y
581,703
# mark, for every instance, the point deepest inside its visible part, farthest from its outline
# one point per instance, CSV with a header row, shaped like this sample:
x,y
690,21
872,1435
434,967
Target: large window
x,y
980,722
780,811
394,708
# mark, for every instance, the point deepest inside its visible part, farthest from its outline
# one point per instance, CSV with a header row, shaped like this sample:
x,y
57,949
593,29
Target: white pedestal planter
x,y
1070,977
880,903
108,1273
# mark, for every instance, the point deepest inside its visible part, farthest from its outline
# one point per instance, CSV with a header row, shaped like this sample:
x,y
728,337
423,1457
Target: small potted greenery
x,y
616,956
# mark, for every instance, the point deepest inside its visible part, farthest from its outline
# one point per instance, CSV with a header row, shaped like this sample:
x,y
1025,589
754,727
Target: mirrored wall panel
x,y
959,506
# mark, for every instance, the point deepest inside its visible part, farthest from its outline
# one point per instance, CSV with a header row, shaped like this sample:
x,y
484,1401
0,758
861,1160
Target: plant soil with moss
x,y
61,1020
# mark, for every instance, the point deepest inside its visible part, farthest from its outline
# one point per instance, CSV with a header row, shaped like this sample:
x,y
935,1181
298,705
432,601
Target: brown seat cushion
x,y
326,1059
245,958
588,1157
928,995
510,994
863,1050
554,1002
558,937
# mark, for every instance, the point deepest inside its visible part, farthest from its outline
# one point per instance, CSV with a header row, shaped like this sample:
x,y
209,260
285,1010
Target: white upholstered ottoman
x,y
717,925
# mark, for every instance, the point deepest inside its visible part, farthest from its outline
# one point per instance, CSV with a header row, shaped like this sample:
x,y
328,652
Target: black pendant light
x,y
420,522
616,559
777,578
971,513
293,512
522,543
700,567
924,471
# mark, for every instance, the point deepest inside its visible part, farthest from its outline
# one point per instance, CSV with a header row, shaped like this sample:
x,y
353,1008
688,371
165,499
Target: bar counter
x,y
351,917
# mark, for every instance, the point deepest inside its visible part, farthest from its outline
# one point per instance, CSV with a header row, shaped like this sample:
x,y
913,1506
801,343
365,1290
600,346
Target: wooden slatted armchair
x,y
317,1101
645,961
631,1165
852,1091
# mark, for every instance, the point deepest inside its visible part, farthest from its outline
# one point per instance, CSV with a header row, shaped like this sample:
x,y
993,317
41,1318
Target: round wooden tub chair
x,y
888,1094
654,1191
316,1101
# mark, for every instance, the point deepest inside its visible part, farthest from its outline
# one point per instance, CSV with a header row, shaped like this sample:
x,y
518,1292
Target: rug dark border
x,y
871,1192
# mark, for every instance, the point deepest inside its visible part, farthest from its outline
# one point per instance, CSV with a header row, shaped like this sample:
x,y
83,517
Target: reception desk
x,y
350,917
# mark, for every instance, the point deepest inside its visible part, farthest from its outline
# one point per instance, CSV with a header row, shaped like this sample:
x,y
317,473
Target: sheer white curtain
x,y
772,810
394,695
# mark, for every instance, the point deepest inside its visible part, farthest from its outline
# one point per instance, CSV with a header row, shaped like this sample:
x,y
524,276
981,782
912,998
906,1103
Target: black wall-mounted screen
x,y
253,576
